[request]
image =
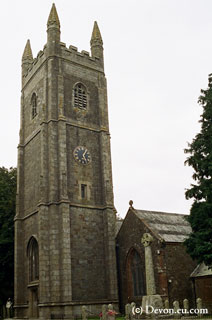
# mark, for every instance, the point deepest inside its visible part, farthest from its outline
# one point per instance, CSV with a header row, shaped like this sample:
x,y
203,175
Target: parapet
x,y
83,57
70,54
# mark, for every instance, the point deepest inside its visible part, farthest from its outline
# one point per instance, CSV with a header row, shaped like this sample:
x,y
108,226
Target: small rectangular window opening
x,y
83,191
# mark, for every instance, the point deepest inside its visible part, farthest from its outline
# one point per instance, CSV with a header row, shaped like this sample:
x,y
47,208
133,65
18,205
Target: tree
x,y
7,213
199,243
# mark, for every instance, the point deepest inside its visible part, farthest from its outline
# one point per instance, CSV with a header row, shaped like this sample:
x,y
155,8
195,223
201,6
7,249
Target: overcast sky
x,y
158,54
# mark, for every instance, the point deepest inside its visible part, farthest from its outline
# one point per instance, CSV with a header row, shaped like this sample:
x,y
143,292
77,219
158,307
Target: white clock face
x,y
82,155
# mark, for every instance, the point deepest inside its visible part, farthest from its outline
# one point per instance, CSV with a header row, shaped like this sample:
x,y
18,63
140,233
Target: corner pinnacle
x,y
96,35
53,17
27,55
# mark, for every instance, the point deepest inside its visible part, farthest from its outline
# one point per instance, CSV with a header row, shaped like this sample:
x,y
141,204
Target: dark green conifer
x,y
199,243
7,213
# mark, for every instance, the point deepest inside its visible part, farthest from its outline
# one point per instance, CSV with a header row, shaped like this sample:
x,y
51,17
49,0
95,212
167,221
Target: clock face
x,y
82,155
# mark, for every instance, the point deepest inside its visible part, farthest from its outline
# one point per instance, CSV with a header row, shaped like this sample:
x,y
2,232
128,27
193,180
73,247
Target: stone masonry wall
x,y
179,267
89,174
32,175
90,116
203,289
129,237
87,253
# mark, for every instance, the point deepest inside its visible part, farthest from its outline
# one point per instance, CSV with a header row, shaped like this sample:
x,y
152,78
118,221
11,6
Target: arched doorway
x,y
33,260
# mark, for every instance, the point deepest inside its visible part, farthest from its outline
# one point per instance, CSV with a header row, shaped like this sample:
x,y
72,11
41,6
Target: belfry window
x,y
33,256
34,105
80,96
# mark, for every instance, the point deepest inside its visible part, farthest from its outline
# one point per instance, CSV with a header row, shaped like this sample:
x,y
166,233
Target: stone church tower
x,y
65,220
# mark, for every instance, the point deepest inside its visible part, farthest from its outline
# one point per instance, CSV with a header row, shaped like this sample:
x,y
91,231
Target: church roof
x,y
118,225
201,270
169,227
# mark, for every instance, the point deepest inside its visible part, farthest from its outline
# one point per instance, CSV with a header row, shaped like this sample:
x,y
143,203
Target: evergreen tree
x,y
199,243
7,213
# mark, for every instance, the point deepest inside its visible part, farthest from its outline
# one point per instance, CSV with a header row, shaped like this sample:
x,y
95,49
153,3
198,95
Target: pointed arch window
x,y
135,274
34,105
80,96
33,256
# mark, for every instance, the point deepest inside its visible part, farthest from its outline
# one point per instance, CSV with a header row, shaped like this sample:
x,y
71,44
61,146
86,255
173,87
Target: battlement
x,y
55,48
71,54
36,60
82,57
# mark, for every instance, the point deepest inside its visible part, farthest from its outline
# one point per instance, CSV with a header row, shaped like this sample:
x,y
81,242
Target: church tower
x,y
65,219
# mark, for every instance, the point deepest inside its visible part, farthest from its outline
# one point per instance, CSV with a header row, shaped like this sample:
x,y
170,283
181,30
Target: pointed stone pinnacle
x,y
53,17
96,35
27,55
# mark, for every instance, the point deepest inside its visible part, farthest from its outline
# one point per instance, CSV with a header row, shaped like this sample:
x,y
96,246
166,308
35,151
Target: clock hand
x,y
84,155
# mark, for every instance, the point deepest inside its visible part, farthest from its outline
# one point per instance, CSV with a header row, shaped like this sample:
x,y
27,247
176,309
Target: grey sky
x,y
158,54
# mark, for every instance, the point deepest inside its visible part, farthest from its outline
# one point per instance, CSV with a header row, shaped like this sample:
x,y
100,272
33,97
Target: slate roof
x,y
201,270
118,225
170,227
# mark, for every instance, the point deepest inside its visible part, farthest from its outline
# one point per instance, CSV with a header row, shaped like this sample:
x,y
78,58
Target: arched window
x,y
135,275
80,96
33,256
34,105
